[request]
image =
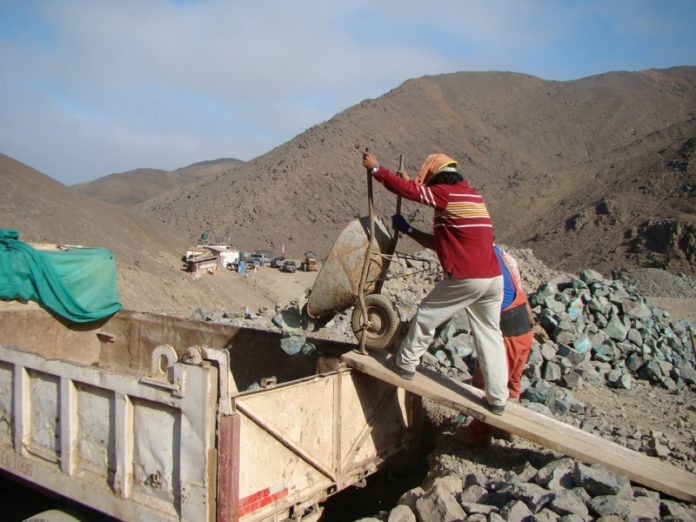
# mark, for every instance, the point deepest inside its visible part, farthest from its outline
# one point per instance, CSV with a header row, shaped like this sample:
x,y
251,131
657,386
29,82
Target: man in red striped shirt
x,y
462,237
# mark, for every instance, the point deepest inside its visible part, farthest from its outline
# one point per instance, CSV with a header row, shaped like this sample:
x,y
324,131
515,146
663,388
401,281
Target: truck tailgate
x,y
300,442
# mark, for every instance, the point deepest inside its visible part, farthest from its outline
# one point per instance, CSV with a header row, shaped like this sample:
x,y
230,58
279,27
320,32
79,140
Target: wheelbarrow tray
x,y
336,286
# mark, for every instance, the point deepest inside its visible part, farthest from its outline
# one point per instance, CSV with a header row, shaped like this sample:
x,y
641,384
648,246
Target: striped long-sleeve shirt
x,y
462,228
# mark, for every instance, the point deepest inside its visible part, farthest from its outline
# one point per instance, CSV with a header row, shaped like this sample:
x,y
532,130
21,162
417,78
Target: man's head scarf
x,y
433,164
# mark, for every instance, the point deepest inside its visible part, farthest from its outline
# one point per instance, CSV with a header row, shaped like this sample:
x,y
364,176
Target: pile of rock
x,y
600,332
657,282
562,489
604,331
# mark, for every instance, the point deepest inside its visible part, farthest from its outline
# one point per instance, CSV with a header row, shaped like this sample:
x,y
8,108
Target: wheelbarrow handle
x,y
366,261
395,239
398,198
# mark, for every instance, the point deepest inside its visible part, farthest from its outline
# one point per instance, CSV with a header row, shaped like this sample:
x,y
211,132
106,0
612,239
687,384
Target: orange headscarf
x,y
432,165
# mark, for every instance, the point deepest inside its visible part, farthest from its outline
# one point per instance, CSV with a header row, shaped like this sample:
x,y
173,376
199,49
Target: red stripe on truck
x,y
259,499
228,468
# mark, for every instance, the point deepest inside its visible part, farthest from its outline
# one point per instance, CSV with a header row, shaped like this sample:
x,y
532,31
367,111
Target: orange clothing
x,y
517,348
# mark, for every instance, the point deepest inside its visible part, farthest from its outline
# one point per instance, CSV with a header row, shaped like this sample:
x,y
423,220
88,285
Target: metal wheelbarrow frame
x,y
338,283
353,275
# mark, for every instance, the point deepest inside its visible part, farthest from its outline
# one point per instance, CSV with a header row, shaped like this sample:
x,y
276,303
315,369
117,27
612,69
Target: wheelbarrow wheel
x,y
383,322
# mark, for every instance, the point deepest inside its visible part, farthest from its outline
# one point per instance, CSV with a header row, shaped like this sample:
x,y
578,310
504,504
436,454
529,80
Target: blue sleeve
x,y
508,286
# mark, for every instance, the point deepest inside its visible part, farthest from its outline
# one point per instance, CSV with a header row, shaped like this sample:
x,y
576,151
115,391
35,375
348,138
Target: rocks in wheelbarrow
x,y
288,319
294,344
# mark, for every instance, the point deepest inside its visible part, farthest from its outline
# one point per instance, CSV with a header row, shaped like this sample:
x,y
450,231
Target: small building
x,y
210,257
228,258
202,262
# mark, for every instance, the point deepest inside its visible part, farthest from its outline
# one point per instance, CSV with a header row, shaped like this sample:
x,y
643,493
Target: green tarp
x,y
77,283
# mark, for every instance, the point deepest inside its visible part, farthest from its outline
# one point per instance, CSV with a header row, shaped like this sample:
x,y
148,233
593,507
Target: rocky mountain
x,y
597,172
586,172
136,186
593,173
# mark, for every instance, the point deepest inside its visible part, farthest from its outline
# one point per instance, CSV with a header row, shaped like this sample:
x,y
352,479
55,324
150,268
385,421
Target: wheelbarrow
x,y
354,273
338,283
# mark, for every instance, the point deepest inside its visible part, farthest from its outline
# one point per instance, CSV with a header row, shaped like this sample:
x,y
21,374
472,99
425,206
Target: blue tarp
x,y
77,283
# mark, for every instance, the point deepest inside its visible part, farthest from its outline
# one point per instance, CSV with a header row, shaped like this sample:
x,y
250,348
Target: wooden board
x,y
550,433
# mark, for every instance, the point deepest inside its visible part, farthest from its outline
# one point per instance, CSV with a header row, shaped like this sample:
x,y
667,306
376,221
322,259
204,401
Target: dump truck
x,y
309,264
142,416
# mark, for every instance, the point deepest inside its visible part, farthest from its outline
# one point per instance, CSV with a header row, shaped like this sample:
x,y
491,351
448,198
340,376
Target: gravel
x,y
654,282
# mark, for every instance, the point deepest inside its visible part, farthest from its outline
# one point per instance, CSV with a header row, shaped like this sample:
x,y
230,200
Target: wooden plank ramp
x,y
545,431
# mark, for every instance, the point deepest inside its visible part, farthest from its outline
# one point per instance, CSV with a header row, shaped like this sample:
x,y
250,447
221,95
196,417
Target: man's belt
x,y
515,321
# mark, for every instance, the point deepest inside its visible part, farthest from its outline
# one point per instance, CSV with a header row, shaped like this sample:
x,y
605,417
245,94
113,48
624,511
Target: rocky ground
x,y
616,364
634,384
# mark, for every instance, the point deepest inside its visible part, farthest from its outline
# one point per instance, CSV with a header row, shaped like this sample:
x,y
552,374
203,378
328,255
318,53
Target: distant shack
x,y
210,258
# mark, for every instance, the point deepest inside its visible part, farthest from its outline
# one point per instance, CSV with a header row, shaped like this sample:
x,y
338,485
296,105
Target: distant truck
x,y
150,417
309,264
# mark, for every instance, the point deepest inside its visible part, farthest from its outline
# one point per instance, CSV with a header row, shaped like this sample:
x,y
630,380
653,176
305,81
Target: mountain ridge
x,y
516,137
138,185
597,173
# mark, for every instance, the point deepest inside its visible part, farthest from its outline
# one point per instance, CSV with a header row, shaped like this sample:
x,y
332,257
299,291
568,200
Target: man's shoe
x,y
401,372
496,409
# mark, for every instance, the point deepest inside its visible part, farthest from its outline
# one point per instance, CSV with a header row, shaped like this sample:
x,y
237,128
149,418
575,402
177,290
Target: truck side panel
x,y
123,447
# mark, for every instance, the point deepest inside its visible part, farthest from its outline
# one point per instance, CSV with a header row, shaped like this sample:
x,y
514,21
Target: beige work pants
x,y
482,299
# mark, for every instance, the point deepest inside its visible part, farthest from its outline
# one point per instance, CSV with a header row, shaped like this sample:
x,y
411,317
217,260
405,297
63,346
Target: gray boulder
x,y
515,511
533,495
644,508
597,480
607,505
439,504
474,508
410,497
401,513
545,515
472,494
567,502
556,474
675,510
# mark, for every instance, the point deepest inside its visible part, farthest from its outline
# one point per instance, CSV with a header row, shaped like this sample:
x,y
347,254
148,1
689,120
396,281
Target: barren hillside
x,y
597,172
133,187
147,254
540,151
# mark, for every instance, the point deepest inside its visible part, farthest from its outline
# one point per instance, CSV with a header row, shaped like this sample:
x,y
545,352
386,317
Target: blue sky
x,y
93,87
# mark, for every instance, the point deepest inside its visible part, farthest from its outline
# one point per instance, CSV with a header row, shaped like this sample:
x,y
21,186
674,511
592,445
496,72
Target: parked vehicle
x,y
150,417
289,266
257,259
277,262
310,262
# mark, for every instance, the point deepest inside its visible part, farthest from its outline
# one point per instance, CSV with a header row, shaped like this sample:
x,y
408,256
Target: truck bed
x,y
150,417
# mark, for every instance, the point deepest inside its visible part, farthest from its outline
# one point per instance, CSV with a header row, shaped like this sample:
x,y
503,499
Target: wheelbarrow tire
x,y
383,317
